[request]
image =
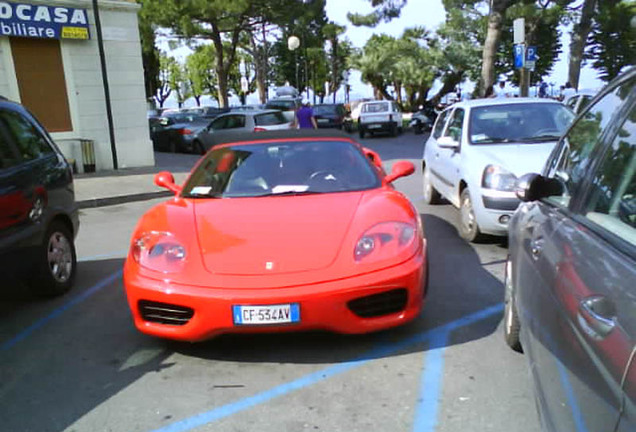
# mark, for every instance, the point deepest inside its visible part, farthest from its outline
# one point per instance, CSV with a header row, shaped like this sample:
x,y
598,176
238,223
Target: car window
x,y
219,123
275,168
519,123
235,122
375,107
270,119
31,144
439,124
9,156
611,203
571,160
455,125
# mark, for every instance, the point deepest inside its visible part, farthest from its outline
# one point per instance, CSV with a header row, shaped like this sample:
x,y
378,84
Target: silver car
x,y
478,148
571,275
243,121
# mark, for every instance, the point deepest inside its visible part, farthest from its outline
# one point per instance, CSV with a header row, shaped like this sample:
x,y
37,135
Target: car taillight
x,y
159,251
259,129
384,241
185,131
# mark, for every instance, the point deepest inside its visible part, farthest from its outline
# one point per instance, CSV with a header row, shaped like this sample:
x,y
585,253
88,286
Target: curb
x,y
122,199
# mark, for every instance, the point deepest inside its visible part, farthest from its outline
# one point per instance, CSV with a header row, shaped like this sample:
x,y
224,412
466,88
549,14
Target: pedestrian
x,y
561,95
500,91
543,89
304,118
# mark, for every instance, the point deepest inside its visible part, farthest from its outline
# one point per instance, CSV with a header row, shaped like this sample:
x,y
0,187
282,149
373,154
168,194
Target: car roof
x,y
502,101
253,111
288,134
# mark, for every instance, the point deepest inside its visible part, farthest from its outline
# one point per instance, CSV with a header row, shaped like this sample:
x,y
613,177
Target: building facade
x,y
50,62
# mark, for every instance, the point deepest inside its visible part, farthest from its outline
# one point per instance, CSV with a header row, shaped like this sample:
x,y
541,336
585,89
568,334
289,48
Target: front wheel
x,y
197,148
361,133
512,326
56,262
468,227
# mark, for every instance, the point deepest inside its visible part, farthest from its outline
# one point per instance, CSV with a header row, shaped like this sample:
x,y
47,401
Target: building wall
x,y
86,92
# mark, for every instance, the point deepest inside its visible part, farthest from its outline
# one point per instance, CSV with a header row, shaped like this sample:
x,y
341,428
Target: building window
x,y
40,73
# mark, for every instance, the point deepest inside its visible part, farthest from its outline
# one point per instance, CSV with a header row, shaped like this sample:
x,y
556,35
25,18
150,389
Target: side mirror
x,y
447,142
533,187
400,169
165,179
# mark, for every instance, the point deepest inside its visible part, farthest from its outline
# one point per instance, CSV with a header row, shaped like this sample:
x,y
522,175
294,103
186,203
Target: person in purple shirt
x,y
305,117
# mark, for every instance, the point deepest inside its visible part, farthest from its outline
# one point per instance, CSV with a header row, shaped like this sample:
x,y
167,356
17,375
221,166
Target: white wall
x,y
86,92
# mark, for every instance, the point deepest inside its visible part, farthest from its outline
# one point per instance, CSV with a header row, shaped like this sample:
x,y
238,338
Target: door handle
x,y
597,316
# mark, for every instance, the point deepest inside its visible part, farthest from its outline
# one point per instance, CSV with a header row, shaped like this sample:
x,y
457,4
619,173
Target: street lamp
x,y
293,43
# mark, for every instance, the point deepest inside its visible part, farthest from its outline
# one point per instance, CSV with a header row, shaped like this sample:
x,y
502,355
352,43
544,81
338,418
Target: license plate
x,y
375,127
323,120
266,314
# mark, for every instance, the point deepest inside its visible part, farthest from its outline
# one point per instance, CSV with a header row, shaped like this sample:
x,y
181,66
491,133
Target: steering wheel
x,y
323,180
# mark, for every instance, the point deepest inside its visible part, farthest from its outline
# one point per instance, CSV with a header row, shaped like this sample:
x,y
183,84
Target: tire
x,y
418,129
172,146
394,130
512,326
431,195
361,133
56,262
468,227
197,148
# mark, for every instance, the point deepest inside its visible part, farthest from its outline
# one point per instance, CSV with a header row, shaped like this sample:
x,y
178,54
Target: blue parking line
x,y
577,416
435,335
431,383
57,312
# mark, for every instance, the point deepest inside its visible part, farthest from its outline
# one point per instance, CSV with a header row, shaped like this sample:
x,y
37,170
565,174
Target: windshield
x,y
270,119
284,105
326,109
281,169
375,107
525,123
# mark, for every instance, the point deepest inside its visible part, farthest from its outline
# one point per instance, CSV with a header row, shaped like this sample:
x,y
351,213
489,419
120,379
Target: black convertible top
x,y
236,137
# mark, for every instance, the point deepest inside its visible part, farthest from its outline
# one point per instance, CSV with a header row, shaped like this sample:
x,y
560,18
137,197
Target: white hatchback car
x,y
379,116
478,148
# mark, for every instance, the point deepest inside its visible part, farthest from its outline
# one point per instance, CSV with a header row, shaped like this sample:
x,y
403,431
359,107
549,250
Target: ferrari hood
x,y
273,235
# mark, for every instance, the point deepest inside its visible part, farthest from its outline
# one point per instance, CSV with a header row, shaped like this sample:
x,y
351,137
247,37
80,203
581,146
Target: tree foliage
x,y
385,11
612,43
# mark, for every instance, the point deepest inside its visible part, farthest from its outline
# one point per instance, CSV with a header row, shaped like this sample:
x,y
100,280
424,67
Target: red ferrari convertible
x,y
280,231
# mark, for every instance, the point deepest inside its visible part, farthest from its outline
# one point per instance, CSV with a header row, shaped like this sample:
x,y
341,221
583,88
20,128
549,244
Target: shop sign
x,y
40,21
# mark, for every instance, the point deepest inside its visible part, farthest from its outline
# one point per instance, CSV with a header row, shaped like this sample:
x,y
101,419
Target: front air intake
x,y
380,304
165,313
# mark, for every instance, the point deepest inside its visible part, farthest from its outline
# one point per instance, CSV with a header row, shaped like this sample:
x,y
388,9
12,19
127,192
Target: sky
x,y
427,13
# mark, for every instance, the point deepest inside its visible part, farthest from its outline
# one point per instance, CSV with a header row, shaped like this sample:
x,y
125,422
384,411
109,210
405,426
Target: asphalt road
x,y
76,363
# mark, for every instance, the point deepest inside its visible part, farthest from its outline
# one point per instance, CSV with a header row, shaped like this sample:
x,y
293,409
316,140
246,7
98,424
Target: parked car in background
x,y
379,117
570,285
240,121
38,214
178,133
421,122
333,116
478,148
204,111
287,104
580,100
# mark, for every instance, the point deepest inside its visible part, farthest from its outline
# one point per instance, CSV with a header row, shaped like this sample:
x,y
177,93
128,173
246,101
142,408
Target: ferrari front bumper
x,y
323,306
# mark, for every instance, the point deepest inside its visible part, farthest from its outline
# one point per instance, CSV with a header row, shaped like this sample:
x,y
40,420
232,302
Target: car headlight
x,y
385,241
498,178
159,251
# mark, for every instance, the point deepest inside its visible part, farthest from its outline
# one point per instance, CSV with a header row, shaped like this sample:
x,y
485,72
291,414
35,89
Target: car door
x,y
432,152
570,284
450,158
